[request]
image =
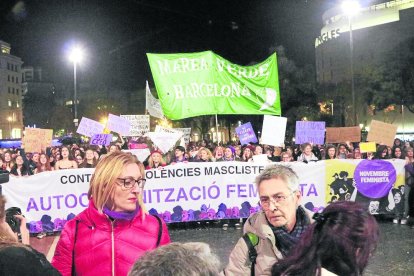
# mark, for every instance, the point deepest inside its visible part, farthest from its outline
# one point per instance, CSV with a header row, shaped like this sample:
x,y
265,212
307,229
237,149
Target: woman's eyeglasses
x,y
129,183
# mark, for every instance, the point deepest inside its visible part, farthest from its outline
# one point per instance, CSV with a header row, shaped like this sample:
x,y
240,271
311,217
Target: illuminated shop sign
x,y
327,36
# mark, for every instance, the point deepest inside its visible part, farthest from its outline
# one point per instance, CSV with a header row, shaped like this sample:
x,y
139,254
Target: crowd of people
x,y
116,234
21,163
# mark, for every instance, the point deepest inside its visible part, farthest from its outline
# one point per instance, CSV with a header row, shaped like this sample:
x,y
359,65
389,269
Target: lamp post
x,y
351,8
75,56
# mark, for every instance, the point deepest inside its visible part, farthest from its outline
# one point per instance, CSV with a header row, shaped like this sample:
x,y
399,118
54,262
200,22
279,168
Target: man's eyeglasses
x,y
279,199
129,183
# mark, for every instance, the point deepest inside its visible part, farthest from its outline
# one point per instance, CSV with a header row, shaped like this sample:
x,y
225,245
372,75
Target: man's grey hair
x,y
188,259
276,171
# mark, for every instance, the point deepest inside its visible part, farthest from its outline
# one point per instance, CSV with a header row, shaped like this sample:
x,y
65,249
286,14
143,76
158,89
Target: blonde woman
x,y
156,161
114,230
205,155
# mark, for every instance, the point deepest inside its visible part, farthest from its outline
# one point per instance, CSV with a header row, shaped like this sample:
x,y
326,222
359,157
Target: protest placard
x,y
37,139
141,154
261,158
382,133
343,134
246,134
310,132
89,127
117,124
185,133
367,147
164,140
140,124
273,131
152,104
101,139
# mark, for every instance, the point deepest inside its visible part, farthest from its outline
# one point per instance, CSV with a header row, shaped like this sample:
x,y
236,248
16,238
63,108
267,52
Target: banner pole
x,y
403,121
218,139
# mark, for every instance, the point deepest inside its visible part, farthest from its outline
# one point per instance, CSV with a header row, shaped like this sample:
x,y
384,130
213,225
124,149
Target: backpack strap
x,y
73,249
251,241
159,230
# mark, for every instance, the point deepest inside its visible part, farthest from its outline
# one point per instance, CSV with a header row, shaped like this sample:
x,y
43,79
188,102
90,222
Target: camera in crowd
x,y
11,220
4,177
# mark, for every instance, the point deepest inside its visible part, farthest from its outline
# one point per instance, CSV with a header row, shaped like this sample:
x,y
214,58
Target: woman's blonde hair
x,y
209,154
151,161
103,181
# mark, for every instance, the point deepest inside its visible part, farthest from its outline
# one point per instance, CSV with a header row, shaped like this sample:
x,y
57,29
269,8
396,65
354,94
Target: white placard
x,y
140,124
163,140
152,104
141,154
274,130
261,158
186,131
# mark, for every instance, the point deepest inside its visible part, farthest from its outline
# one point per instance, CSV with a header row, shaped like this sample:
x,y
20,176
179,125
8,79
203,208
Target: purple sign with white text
x,y
101,139
374,178
246,134
310,132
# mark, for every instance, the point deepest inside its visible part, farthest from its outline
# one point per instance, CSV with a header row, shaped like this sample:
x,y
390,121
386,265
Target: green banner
x,y
204,83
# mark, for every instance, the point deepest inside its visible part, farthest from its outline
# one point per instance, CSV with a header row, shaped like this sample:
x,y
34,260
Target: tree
x,y
36,109
392,80
61,118
298,90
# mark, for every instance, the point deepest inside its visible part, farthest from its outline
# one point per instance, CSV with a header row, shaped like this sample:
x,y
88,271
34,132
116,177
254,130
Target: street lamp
x,y
75,56
351,8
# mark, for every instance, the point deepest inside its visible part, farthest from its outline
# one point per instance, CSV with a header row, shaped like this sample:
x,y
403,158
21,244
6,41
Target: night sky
x,y
117,34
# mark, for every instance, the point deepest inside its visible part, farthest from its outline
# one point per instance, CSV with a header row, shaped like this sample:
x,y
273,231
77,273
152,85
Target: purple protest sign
x,y
374,178
118,124
89,127
101,139
310,132
246,134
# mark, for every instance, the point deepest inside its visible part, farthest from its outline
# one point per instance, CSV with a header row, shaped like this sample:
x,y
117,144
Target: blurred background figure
x,y
188,259
18,258
339,242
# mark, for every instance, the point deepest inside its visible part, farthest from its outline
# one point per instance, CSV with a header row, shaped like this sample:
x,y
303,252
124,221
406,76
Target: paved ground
x,y
394,255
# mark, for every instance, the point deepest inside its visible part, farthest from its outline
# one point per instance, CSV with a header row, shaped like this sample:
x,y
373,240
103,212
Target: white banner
x,y
185,131
141,154
200,191
48,199
164,140
140,124
152,104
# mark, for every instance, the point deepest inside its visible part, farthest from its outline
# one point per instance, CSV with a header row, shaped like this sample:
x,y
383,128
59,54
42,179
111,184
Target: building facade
x,y
11,117
38,98
377,30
